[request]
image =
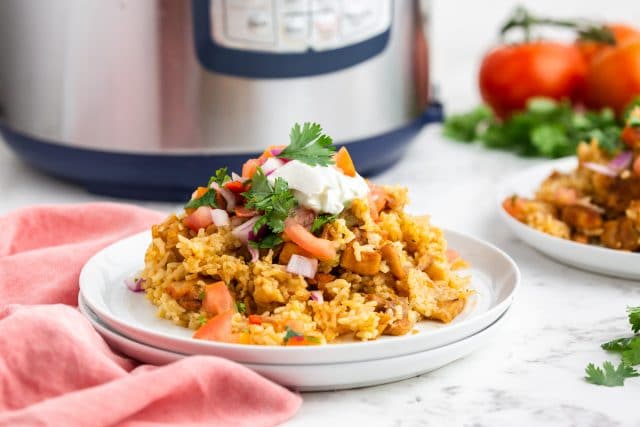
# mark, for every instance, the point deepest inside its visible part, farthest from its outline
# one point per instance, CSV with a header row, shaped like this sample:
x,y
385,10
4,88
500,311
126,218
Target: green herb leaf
x,y
202,319
309,145
619,345
267,242
241,307
321,220
275,202
466,127
208,199
290,334
610,376
221,177
551,141
631,356
201,295
634,318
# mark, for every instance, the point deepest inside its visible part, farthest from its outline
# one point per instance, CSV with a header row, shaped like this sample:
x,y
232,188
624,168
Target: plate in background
x,y
587,257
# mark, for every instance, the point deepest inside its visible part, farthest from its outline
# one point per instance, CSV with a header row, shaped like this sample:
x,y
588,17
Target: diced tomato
x,y
344,162
319,248
515,206
243,212
303,340
255,319
636,166
235,186
631,136
250,167
217,328
217,298
200,218
377,199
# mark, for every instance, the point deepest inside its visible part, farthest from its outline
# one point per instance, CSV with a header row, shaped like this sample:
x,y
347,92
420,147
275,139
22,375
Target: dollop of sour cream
x,y
324,189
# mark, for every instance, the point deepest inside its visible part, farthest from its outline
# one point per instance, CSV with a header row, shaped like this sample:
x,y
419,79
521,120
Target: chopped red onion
x,y
255,254
601,169
242,231
219,217
306,267
271,165
134,285
228,195
276,151
621,162
317,296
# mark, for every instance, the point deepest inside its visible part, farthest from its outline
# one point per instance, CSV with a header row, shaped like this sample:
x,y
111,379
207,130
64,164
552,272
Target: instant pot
x,y
146,98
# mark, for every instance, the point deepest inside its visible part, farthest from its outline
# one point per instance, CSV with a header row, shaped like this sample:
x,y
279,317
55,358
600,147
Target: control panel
x,y
295,26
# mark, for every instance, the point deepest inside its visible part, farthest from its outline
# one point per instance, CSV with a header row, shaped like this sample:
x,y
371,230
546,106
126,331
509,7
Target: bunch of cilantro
x,y
545,128
629,350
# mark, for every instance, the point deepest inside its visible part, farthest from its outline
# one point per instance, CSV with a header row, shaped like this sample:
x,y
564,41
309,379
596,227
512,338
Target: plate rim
x,y
497,310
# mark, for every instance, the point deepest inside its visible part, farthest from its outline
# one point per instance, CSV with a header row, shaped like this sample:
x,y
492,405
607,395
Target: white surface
x,y
589,257
494,278
532,374
325,376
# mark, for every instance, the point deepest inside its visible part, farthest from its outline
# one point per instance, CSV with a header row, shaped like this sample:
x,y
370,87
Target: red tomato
x,y
217,328
235,186
621,32
217,298
200,218
511,74
319,248
631,136
613,79
636,166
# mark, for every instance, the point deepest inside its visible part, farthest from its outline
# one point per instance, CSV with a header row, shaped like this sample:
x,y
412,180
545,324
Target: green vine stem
x,y
586,30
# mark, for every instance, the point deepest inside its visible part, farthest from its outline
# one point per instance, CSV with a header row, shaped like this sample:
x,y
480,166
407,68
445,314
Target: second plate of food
x,y
495,278
588,257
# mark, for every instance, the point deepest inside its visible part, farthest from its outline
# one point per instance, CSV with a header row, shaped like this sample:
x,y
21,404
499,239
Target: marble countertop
x,y
531,373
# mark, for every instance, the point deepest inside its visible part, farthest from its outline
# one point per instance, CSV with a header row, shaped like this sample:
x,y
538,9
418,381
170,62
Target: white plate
x,y
588,257
316,377
495,279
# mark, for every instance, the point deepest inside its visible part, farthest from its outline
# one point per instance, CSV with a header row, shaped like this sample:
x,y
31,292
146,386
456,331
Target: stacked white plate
x,y
128,322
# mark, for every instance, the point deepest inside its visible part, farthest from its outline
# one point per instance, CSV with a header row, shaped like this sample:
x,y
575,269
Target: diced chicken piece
x,y
289,249
391,255
368,265
186,294
399,307
621,234
582,217
447,310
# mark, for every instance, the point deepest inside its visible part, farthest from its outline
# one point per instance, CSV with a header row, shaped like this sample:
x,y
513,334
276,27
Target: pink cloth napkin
x,y
55,370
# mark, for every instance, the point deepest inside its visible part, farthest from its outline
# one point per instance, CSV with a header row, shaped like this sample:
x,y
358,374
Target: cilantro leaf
x,y
275,202
465,127
321,220
221,177
634,318
631,356
619,345
241,307
309,145
208,199
610,376
202,319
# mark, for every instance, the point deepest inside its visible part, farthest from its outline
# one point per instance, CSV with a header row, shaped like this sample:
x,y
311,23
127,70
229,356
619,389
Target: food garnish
x,y
309,145
628,348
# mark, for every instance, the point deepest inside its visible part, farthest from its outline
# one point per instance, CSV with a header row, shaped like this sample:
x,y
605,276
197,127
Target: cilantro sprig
x,y
221,177
628,348
544,128
608,375
274,202
309,145
321,220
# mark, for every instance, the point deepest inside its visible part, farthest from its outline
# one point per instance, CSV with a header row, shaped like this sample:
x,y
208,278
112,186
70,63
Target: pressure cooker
x,y
146,98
